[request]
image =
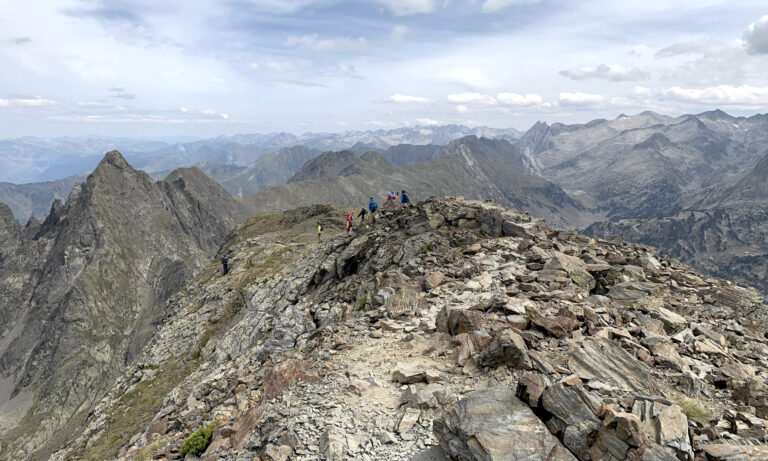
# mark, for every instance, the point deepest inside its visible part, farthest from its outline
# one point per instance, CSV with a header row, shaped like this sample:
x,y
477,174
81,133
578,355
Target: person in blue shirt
x,y
373,205
404,198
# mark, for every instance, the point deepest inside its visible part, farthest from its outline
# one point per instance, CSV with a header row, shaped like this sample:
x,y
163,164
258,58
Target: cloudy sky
x,y
201,68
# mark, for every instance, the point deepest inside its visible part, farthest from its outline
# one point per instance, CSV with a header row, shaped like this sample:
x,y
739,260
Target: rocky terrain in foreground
x,y
447,330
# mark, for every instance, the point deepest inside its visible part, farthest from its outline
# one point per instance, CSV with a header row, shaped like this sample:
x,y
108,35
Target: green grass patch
x,y
144,454
133,411
198,442
426,248
694,409
361,304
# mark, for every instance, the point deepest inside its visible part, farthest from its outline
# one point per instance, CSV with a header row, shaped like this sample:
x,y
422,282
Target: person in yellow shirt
x,y
319,232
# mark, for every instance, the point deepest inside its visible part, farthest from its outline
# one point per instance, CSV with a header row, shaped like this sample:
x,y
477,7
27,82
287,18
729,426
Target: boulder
x,y
575,268
530,386
409,419
333,444
572,419
753,393
409,373
507,348
494,425
470,344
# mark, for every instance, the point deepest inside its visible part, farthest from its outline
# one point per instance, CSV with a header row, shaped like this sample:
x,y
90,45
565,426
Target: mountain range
x,y
621,177
124,339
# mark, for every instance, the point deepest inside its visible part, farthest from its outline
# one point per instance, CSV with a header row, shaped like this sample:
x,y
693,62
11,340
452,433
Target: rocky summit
x,y
450,329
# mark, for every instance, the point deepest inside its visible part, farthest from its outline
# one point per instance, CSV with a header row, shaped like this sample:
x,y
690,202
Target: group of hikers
x,y
393,198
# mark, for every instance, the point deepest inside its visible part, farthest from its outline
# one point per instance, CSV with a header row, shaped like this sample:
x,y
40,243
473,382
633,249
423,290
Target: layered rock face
x,y
83,291
450,329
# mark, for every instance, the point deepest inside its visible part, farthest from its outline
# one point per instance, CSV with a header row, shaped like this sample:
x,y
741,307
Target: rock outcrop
x,y
450,328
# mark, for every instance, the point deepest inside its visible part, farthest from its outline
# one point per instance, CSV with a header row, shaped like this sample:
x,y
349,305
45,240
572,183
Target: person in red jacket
x,y
349,221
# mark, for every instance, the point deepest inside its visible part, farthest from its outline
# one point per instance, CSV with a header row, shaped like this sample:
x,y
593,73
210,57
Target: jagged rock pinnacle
x,y
113,159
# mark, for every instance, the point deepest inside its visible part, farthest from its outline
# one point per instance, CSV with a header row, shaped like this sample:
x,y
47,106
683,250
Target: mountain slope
x,y
473,332
723,232
83,290
469,167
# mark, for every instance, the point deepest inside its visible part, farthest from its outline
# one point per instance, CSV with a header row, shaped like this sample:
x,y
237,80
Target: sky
x,y
199,68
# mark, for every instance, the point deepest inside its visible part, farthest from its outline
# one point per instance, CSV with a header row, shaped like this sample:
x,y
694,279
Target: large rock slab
x,y
494,425
725,452
574,267
605,360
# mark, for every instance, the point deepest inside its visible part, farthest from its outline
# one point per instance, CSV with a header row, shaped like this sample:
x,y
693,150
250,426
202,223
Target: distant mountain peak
x,y
326,164
717,114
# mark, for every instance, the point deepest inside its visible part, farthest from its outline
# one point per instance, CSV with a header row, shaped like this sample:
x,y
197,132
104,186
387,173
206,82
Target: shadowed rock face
x,y
83,290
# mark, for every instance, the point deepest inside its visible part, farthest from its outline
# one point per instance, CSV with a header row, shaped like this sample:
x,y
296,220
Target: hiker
x,y
373,205
319,232
362,216
224,264
349,221
404,198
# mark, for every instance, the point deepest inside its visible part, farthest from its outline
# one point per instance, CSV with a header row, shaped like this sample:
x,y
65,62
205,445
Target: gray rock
x,y
494,425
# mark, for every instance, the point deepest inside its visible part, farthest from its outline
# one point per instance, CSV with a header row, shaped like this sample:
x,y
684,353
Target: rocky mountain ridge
x,y
449,329
84,290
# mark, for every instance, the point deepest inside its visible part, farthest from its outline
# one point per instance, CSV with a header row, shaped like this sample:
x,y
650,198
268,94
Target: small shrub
x,y
198,442
426,247
361,304
694,409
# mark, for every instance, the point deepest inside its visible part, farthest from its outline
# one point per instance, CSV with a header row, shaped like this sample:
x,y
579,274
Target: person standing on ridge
x,y
349,221
373,205
404,198
362,216
224,264
319,232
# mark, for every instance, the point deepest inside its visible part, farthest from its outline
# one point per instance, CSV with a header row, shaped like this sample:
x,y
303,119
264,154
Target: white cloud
x,y
720,94
514,99
314,42
467,76
426,121
462,109
579,99
490,6
376,123
612,72
643,91
398,33
408,7
405,99
695,47
27,102
471,98
756,36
